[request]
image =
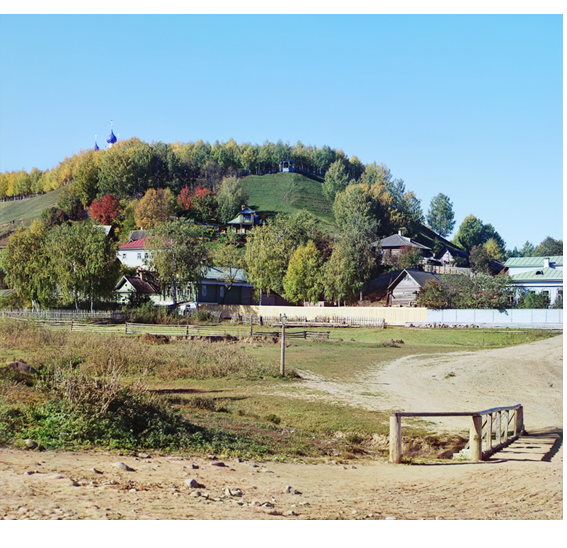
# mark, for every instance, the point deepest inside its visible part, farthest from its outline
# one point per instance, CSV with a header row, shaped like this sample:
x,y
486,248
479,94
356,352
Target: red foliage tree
x,y
105,210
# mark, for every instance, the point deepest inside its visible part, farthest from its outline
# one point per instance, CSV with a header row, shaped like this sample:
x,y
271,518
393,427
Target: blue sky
x,y
466,105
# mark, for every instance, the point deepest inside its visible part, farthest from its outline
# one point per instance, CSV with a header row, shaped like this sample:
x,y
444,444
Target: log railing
x,y
485,425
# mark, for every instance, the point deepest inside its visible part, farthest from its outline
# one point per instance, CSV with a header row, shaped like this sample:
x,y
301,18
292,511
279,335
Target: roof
x,y
397,240
541,274
136,235
142,287
244,211
454,253
380,285
106,228
418,275
137,244
217,273
523,262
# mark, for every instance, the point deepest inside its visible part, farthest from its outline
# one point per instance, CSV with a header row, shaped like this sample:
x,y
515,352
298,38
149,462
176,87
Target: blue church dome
x,y
111,138
96,147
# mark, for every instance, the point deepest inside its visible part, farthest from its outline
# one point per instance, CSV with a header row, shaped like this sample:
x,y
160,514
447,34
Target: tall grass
x,y
98,354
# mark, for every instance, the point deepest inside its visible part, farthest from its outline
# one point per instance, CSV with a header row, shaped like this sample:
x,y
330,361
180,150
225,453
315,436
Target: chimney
x,y
546,262
399,232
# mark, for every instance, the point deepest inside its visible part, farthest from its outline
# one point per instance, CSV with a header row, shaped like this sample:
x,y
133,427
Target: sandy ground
x,y
522,482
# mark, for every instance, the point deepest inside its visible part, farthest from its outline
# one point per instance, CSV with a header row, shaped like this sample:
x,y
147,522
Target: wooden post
x,y
71,325
251,325
187,330
519,422
476,437
489,427
125,327
282,366
506,420
498,427
395,439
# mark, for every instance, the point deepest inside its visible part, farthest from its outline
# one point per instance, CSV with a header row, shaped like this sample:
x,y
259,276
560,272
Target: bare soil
x,y
522,482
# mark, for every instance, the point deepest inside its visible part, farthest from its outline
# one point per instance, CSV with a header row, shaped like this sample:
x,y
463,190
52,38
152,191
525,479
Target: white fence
x,y
552,317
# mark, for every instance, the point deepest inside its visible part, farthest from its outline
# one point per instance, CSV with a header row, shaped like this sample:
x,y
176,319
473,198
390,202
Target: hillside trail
x,y
524,481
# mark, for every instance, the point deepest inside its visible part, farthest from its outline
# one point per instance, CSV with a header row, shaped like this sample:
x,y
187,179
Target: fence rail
x,y
112,315
485,425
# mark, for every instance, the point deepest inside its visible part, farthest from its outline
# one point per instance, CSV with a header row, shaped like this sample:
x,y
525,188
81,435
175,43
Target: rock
x,y
218,463
122,466
271,512
31,444
290,490
233,492
290,513
148,468
96,471
195,494
143,456
193,483
22,368
194,467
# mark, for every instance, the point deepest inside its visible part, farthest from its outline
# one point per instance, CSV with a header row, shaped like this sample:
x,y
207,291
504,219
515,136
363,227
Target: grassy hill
x,y
25,211
288,193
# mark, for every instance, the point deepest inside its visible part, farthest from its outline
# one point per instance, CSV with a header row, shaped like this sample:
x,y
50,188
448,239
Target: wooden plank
x,y
395,439
476,438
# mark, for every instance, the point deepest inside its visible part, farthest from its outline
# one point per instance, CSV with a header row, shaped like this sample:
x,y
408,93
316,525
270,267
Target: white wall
x,y
132,257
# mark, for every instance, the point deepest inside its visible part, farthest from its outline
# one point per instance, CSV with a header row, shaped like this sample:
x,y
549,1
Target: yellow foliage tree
x,y
155,207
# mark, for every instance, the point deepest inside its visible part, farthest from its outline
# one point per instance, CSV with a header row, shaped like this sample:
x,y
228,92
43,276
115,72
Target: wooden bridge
x,y
489,430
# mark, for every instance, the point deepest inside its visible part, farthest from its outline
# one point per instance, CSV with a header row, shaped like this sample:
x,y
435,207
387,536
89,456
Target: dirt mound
x,y
154,339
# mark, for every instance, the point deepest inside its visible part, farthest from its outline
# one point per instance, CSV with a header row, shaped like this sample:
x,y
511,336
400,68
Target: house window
x,y
222,290
139,255
123,255
560,292
204,290
145,255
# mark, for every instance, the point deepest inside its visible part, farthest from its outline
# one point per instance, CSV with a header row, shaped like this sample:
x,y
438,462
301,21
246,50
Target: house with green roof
x,y
537,274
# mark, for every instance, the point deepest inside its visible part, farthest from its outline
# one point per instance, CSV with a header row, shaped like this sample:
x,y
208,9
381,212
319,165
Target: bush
x,y
531,300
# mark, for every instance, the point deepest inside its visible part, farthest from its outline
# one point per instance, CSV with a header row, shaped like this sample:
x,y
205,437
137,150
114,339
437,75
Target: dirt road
x,y
522,482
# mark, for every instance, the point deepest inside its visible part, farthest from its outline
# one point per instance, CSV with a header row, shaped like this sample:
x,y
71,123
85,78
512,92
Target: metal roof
x,y
541,274
523,262
222,274
136,244
397,240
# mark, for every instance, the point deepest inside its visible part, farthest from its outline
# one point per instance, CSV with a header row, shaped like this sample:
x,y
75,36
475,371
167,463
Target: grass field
x,y
288,193
27,210
232,391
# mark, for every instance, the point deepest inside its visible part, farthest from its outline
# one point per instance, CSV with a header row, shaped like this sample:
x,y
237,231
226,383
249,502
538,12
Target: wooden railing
x,y
484,426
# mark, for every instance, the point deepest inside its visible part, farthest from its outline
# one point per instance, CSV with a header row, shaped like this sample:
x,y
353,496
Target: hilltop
x,y
268,194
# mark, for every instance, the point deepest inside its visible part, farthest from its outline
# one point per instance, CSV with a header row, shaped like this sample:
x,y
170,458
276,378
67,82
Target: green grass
x,y
288,193
27,210
244,410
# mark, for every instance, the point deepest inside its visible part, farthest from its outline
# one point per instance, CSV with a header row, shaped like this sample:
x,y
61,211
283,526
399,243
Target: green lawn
x,y
26,211
288,193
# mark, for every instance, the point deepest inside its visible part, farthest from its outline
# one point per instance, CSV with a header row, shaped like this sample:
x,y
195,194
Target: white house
x,y
134,253
538,274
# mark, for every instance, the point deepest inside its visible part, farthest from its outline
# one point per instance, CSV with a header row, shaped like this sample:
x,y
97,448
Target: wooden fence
x,y
486,426
85,315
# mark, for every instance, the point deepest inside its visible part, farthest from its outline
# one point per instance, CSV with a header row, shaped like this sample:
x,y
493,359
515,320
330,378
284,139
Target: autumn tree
x,y
83,262
230,197
432,295
549,247
86,176
106,210
480,259
70,202
228,256
336,180
441,217
473,232
25,262
303,280
178,254
409,257
155,207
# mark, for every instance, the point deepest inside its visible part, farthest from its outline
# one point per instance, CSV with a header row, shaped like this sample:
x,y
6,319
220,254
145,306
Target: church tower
x,y
111,139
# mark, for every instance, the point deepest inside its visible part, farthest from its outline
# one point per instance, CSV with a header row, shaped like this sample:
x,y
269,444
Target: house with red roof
x,y
134,253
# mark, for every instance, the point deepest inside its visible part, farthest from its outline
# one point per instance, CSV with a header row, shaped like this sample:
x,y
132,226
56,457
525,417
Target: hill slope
x,y
27,210
288,193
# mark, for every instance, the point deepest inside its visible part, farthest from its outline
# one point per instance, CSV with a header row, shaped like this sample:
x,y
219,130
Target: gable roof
x,y
136,235
541,274
523,262
453,252
218,273
142,287
397,240
136,244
